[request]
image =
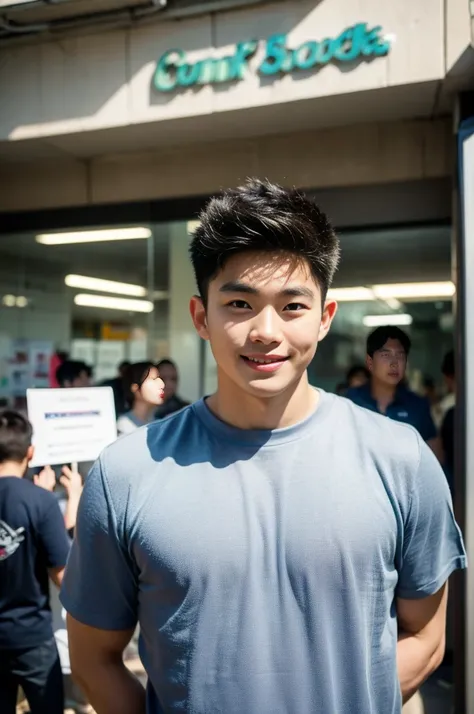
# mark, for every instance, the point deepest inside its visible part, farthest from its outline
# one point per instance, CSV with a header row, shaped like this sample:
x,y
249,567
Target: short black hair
x,y
262,216
377,339
136,374
70,369
448,368
166,362
15,436
357,369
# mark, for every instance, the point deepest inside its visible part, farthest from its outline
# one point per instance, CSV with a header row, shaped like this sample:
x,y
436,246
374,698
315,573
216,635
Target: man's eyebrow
x,y
235,286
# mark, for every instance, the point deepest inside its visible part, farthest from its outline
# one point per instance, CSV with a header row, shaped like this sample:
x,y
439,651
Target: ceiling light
x,y
414,290
382,320
9,300
350,294
105,286
394,304
113,303
98,236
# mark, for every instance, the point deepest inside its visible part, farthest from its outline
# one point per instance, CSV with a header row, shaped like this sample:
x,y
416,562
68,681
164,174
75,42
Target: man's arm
x,y
97,666
421,639
56,575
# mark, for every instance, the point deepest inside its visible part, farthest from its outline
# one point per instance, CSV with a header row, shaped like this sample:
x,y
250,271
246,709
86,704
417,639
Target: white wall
x,y
101,81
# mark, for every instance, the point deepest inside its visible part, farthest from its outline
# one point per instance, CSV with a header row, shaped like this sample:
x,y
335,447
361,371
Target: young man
x,y
33,546
172,402
74,373
387,354
284,551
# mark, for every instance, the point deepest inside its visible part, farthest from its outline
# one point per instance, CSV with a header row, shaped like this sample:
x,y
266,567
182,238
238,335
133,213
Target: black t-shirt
x,y
33,538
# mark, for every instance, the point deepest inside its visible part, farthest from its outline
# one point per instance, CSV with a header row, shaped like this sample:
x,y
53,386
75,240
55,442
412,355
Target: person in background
x,y
172,402
448,410
34,547
448,369
72,483
387,354
56,360
282,549
74,373
144,390
118,388
357,376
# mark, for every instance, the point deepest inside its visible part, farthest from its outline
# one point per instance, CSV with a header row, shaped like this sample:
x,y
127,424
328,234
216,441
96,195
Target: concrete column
x,y
184,343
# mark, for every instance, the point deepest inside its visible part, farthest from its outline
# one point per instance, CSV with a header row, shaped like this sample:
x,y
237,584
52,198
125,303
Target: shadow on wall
x,y
87,75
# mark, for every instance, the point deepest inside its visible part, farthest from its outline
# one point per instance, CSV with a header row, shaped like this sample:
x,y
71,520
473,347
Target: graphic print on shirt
x,y
9,540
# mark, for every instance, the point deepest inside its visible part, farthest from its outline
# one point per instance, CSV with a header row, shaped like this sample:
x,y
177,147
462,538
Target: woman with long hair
x,y
145,391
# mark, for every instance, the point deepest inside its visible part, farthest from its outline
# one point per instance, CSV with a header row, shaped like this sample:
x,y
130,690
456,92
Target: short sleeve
x,y
99,588
432,543
52,535
427,426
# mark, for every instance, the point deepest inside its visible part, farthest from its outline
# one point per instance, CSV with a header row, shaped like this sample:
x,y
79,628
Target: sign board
x,y
354,44
71,425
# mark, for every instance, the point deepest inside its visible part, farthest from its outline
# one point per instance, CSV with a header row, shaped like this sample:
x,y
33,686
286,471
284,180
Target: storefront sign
x,y
70,425
355,43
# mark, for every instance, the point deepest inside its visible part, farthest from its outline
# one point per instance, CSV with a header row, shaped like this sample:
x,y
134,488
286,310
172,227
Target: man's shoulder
x,y
154,441
413,399
376,432
358,395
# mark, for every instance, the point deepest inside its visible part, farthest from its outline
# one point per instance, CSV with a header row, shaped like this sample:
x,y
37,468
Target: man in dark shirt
x,y
34,546
387,353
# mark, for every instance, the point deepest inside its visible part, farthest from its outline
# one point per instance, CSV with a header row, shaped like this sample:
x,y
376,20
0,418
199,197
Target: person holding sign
x,y
145,391
34,546
283,550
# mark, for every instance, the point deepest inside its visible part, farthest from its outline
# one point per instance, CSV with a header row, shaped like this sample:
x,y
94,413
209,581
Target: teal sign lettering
x,y
359,42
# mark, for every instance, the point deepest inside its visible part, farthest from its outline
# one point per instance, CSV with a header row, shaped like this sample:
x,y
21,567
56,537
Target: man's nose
x,y
266,327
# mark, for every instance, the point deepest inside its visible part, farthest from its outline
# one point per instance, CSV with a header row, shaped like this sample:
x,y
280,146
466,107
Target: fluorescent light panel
x,y
83,282
391,319
412,291
97,236
395,291
113,303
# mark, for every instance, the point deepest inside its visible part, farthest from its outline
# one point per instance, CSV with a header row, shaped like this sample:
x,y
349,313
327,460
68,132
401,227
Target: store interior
x,y
52,297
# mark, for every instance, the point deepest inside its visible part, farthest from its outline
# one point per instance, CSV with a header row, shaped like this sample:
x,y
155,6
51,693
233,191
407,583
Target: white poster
x,y
71,425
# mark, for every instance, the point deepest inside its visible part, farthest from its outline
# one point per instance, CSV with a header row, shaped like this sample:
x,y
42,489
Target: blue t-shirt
x,y
407,407
263,566
33,538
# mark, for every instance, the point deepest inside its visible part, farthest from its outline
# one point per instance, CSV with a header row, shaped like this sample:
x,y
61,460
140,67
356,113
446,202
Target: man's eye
x,y
239,304
296,306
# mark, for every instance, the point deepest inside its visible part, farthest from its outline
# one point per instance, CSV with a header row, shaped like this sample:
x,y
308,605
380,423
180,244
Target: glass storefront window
x,y
99,294
406,274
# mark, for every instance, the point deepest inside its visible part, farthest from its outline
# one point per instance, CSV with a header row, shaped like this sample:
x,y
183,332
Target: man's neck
x,y
246,411
13,468
384,394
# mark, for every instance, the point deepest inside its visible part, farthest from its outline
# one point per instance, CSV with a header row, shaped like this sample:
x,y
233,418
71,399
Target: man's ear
x,y
198,316
30,453
330,309
369,363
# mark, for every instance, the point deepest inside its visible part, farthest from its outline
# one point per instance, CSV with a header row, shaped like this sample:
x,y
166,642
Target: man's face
x,y
169,375
263,321
82,380
388,365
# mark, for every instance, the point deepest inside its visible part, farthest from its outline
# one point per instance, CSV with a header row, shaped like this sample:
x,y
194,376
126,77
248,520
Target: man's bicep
x,y
100,587
52,536
90,646
423,614
431,546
